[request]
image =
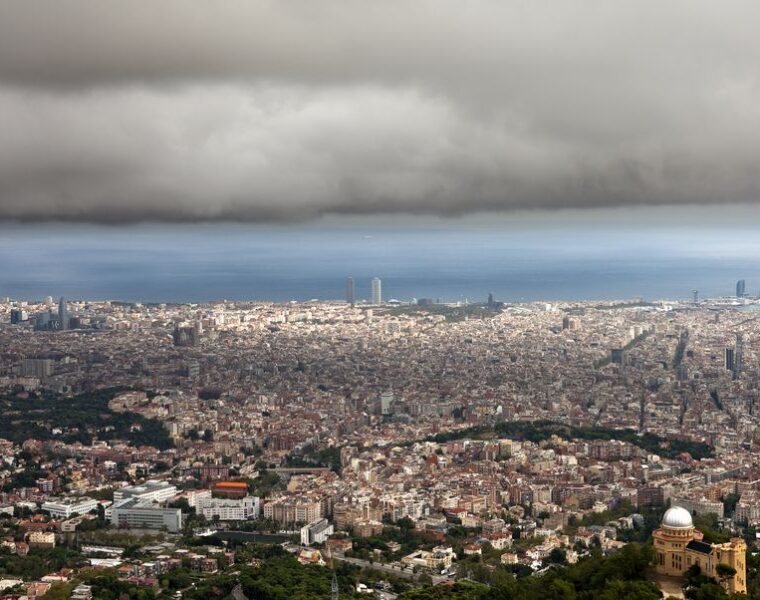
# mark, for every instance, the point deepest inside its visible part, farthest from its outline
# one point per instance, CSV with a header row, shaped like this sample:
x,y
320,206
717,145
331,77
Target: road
x,y
385,568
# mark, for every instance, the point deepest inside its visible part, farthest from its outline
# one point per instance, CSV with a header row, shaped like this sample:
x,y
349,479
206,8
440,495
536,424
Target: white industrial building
x,y
131,513
65,507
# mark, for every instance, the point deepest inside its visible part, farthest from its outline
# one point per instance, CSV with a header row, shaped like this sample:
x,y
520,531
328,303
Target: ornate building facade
x,y
678,546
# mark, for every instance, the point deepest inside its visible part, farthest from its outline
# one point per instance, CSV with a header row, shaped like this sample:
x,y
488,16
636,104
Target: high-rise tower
x,y
63,315
350,291
377,291
739,355
740,288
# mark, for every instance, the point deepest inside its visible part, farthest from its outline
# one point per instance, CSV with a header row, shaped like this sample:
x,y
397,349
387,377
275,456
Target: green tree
x,y
724,572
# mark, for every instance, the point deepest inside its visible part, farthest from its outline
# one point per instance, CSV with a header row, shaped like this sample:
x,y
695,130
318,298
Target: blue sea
x,y
517,259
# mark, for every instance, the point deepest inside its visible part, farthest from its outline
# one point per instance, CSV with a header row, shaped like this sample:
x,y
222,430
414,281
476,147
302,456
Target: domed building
x,y
678,546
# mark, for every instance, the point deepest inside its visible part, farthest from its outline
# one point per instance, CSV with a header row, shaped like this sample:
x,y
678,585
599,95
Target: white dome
x,y
677,517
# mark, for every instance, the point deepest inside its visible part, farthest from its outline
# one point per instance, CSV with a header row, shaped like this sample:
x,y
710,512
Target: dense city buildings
x,y
535,428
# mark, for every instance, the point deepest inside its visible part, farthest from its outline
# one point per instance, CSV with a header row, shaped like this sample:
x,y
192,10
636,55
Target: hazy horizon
x,y
574,255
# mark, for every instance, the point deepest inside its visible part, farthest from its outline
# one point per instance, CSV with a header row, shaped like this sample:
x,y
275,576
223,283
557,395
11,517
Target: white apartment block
x,y
316,532
228,509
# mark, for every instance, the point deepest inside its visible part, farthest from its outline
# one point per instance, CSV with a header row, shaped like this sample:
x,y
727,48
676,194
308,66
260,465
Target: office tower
x,y
729,359
740,288
18,315
43,321
696,296
490,300
63,315
377,291
350,291
739,354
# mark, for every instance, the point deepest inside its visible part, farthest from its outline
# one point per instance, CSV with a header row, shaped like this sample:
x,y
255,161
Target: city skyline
x,y
395,300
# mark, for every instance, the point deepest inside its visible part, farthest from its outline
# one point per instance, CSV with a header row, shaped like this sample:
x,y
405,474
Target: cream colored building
x,y
439,557
678,546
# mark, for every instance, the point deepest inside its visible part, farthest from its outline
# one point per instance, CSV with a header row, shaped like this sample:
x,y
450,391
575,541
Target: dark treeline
x,y
539,431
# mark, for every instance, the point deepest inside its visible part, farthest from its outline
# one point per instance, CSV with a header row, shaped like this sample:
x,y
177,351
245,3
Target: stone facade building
x,y
678,546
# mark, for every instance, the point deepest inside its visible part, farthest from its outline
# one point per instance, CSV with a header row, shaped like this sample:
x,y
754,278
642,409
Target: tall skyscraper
x,y
729,359
740,288
63,315
377,291
350,291
739,354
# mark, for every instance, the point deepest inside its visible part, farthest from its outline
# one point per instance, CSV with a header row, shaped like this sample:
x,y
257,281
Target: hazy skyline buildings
x,y
219,188
517,261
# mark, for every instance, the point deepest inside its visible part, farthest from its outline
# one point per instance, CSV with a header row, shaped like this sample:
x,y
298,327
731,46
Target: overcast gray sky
x,y
289,110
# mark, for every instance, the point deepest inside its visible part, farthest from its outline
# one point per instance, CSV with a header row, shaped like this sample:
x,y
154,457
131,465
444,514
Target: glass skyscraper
x,y
63,315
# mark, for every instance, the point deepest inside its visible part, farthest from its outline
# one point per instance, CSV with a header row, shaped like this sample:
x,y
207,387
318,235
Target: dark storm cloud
x,y
188,110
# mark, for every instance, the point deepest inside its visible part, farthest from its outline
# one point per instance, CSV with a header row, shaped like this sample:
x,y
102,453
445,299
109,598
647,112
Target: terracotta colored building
x,y
230,489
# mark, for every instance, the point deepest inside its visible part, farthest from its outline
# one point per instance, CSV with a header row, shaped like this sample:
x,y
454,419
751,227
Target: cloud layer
x,y
287,110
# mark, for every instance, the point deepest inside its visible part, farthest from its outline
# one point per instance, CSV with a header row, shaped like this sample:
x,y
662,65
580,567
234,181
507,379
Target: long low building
x,y
154,490
146,515
65,507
